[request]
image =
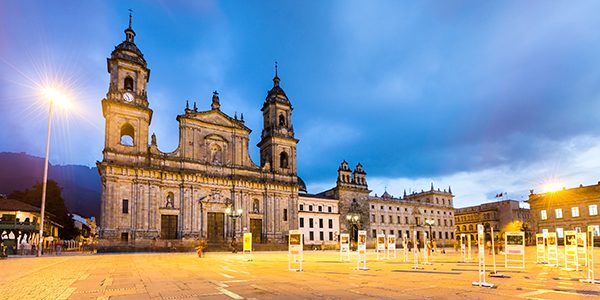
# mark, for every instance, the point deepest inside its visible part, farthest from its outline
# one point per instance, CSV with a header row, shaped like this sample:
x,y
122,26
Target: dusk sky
x,y
484,96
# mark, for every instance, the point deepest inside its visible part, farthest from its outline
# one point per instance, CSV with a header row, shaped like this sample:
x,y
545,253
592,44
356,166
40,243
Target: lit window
x,y
574,212
543,215
593,210
559,233
558,213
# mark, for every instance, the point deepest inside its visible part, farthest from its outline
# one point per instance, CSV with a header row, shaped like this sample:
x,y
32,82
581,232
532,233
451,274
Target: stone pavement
x,y
226,276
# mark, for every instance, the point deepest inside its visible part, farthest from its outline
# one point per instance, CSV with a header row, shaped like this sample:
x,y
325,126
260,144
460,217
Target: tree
x,y
55,206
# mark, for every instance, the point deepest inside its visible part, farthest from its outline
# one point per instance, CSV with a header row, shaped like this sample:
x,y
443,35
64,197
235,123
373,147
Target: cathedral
x,y
209,188
209,182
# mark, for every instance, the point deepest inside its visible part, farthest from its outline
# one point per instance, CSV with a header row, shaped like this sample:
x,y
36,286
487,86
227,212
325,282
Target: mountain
x,y
81,184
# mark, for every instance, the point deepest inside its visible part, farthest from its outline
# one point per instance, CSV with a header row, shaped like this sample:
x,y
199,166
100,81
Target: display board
x,y
361,263
415,252
295,250
590,235
468,247
247,246
582,249
540,247
391,246
380,248
481,258
552,249
405,247
570,242
514,249
344,247
463,249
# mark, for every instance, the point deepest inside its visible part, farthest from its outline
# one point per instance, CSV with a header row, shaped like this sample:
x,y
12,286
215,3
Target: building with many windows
x,y
423,212
502,216
318,219
566,209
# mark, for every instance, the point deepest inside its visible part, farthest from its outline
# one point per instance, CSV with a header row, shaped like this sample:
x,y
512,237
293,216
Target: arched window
x,y
127,135
470,227
281,120
170,200
464,228
283,160
128,83
216,154
255,206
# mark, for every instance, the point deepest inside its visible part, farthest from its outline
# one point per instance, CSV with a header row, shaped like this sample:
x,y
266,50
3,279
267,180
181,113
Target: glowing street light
x,y
54,96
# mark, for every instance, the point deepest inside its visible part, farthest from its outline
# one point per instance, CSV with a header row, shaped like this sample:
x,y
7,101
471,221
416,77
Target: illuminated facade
x,y
566,209
149,194
502,216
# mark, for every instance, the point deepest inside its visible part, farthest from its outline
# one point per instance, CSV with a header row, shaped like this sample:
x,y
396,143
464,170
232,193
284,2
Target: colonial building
x,y
567,209
358,210
148,193
319,219
429,213
502,216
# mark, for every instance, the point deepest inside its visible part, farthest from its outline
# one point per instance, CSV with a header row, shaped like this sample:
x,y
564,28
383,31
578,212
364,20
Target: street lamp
x,y
353,218
429,223
54,96
233,213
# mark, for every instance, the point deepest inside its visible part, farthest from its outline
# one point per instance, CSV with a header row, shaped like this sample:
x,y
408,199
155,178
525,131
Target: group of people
x,y
430,245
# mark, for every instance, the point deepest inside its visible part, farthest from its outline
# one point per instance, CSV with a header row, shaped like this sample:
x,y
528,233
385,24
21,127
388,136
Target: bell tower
x,y
278,145
125,107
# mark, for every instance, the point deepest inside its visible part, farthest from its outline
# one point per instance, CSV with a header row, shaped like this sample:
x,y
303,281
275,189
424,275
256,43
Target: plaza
x,y
221,275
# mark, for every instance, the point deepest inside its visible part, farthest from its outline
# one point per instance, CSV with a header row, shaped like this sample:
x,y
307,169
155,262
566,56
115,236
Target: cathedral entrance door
x,y
216,227
168,227
256,229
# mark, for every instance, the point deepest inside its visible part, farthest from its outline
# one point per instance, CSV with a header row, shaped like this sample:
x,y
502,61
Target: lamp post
x,y
233,213
353,218
53,96
430,223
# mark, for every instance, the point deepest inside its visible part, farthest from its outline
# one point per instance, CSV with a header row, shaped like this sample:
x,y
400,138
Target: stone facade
x,y
148,194
505,215
567,209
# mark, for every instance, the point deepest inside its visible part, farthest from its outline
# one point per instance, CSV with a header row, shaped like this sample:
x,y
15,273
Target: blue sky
x,y
487,97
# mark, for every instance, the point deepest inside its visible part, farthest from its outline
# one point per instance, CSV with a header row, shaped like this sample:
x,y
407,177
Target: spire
x,y
130,10
449,189
195,107
129,33
216,105
276,78
242,117
432,186
404,193
187,104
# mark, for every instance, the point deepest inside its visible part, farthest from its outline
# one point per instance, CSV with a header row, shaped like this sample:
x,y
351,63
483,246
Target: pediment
x,y
216,117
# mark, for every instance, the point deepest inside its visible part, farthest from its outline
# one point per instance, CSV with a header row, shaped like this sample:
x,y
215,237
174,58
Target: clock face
x,y
128,97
